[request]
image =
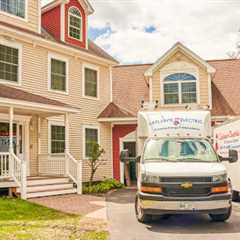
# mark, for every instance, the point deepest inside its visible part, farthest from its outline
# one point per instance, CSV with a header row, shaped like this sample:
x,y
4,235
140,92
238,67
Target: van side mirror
x,y
124,156
138,159
232,156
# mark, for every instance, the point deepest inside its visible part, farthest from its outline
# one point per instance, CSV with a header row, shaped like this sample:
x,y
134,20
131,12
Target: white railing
x,y
19,173
74,171
4,165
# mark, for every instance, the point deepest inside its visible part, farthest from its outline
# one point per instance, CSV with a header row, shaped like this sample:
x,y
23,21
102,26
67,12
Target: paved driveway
x,y
124,226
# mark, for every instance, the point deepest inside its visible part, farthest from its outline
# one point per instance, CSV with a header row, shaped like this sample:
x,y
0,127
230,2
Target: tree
x,y
95,159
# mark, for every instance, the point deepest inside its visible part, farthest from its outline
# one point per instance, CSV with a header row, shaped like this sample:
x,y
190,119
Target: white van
x,y
227,136
179,171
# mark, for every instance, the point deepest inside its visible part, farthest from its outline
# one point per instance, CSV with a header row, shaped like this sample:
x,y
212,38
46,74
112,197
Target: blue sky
x,y
140,31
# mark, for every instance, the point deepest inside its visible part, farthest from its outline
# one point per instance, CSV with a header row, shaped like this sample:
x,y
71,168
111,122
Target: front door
x,y
131,147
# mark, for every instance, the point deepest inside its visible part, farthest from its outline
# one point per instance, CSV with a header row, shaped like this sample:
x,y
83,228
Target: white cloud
x,y
208,27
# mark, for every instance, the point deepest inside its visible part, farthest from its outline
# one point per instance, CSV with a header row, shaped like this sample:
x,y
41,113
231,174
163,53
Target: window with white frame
x,y
58,75
91,136
180,88
57,139
75,23
91,82
9,63
14,7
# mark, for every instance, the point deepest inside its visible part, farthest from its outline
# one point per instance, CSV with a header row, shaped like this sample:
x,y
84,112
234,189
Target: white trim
x,y
53,4
111,83
176,46
36,106
50,124
25,19
96,68
63,59
84,127
62,22
164,73
39,17
54,46
210,91
150,89
18,46
133,119
81,28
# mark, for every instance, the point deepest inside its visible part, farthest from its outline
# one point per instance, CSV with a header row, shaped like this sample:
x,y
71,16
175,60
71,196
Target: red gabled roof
x,y
114,111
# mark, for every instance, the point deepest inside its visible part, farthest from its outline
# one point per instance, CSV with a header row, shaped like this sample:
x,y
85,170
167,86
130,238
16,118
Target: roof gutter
x,y
127,119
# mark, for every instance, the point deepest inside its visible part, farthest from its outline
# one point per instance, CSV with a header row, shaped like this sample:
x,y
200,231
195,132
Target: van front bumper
x,y
157,204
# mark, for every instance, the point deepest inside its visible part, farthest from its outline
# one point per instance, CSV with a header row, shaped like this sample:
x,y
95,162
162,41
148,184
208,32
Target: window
x,y
57,139
91,82
75,23
58,75
9,63
180,88
15,7
91,136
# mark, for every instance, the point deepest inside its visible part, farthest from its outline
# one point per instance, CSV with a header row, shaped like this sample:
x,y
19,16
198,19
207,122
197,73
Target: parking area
x,y
123,224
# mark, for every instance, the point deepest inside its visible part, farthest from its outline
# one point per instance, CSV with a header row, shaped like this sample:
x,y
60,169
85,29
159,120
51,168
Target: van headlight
x,y
150,179
219,178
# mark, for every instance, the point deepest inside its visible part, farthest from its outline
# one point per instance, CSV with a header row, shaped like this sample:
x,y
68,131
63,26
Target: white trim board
x,y
97,69
62,59
84,127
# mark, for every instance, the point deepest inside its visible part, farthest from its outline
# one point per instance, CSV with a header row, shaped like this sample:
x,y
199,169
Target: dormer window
x,y
75,24
180,88
13,7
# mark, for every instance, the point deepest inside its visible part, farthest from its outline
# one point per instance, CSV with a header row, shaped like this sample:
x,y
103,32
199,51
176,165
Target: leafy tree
x,y
95,159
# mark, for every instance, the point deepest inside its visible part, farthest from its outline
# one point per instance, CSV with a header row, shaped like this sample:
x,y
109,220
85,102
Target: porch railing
x,y
74,171
4,165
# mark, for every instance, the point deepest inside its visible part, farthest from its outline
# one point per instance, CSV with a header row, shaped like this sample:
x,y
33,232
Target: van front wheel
x,y
221,217
141,217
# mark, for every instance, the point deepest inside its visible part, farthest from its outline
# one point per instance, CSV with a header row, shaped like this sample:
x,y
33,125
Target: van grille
x,y
178,191
186,179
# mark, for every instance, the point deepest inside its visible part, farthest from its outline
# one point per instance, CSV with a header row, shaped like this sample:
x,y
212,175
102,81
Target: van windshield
x,y
179,150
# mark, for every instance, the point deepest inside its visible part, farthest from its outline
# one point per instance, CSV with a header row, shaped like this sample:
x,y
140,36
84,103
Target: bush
x,y
102,187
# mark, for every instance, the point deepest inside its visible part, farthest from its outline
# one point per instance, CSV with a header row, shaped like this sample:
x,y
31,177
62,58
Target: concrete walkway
x,y
123,223
87,205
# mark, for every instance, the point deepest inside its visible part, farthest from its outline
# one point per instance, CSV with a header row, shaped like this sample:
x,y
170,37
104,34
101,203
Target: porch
x,y
20,120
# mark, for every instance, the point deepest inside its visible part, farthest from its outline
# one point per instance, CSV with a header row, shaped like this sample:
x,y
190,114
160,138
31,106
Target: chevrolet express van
x,y
179,171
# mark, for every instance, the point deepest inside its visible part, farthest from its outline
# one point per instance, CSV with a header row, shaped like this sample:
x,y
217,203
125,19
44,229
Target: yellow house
x,y
54,82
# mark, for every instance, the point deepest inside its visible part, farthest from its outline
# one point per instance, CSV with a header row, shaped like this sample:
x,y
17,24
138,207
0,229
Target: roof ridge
x,y
223,59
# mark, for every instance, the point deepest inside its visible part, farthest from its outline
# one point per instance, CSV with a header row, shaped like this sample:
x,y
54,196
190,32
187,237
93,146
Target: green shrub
x,y
102,187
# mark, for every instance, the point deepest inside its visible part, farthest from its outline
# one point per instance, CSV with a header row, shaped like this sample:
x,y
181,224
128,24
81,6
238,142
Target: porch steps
x,y
49,186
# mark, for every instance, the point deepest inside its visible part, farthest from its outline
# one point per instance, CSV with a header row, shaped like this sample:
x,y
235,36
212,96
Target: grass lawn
x,y
23,220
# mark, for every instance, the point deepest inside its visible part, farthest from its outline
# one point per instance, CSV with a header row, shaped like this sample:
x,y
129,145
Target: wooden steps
x,y
49,186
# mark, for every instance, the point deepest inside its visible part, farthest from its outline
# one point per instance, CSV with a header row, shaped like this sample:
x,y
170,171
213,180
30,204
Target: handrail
x,y
74,171
19,173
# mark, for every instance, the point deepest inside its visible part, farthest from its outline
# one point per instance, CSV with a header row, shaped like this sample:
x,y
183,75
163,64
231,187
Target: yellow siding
x,y
30,23
203,79
35,80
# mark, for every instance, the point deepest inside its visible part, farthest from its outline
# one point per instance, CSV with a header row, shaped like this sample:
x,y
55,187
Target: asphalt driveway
x,y
124,226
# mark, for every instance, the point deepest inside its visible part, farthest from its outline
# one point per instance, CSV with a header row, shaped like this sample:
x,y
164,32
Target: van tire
x,y
221,217
141,217
235,196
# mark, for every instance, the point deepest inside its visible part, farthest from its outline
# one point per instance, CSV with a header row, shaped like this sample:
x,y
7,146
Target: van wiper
x,y
162,159
190,159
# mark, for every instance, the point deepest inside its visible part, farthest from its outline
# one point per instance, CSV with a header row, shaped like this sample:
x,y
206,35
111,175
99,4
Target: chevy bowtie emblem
x,y
186,185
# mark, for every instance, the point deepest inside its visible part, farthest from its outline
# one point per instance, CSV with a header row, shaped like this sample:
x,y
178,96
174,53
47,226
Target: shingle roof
x,y
114,111
93,49
17,94
130,87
